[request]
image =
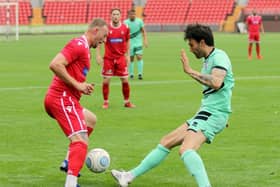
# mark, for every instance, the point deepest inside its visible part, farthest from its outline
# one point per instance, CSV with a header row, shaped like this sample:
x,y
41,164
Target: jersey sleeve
x,y
221,61
73,50
127,34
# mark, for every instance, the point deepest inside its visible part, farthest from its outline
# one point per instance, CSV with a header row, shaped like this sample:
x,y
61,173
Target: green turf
x,y
245,155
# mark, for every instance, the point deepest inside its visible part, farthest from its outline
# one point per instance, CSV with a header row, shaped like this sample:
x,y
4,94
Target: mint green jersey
x,y
135,28
218,100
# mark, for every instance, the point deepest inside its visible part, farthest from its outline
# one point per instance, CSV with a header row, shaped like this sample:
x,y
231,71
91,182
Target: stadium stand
x,y
65,12
102,8
166,11
209,12
267,7
25,12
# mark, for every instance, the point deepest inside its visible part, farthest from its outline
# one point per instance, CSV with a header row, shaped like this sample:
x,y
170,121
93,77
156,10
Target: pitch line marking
x,y
146,82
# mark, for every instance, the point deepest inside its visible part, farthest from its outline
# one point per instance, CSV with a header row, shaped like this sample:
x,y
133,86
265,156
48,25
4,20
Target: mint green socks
x,y
140,65
196,167
154,158
131,68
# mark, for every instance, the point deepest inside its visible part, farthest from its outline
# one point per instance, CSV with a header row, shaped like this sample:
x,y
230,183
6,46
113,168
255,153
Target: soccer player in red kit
x,y
254,25
70,68
116,58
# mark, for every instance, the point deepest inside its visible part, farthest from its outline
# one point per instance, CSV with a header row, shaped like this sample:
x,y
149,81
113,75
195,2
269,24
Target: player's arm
x,y
127,54
144,33
98,57
58,66
262,29
213,80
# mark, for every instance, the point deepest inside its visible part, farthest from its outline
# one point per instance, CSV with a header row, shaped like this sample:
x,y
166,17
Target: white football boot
x,y
122,177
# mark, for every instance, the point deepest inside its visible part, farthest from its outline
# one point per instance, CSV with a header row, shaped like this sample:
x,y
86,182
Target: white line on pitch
x,y
147,82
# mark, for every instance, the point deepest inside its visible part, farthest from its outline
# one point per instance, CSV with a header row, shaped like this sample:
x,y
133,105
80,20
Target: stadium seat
x,y
166,11
65,12
102,8
268,7
25,12
209,12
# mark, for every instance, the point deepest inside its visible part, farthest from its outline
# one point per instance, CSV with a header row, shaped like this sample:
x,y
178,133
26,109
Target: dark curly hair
x,y
199,32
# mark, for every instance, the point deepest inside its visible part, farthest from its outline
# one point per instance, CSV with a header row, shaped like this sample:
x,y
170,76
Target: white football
x,y
97,160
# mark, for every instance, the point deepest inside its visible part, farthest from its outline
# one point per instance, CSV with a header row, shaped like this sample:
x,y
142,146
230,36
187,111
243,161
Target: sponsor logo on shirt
x,y
116,40
85,71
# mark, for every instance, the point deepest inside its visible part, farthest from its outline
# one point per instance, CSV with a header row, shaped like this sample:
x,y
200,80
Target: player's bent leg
x,y
90,119
192,160
77,155
105,91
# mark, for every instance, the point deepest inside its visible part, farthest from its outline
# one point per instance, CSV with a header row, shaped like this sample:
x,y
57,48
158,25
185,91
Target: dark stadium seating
x,y
65,12
166,11
102,8
25,12
209,12
268,7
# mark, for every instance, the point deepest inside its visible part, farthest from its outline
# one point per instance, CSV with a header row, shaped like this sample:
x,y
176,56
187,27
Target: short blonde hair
x,y
97,22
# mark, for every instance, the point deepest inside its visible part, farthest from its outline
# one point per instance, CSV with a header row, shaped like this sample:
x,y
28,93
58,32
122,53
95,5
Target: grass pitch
x,y
244,155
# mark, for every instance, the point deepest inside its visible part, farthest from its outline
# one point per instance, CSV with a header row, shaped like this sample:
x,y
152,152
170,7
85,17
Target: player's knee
x,y
124,80
165,141
91,120
80,137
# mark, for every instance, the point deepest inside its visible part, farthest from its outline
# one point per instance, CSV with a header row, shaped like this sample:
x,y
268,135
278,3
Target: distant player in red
x,y
254,25
116,58
70,67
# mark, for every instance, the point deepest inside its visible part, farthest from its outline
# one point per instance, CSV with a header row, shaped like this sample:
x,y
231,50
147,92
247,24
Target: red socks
x,y
105,91
250,49
89,131
258,49
77,156
125,90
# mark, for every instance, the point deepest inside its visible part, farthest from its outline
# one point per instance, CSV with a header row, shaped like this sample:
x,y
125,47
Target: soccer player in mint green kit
x,y
137,31
217,80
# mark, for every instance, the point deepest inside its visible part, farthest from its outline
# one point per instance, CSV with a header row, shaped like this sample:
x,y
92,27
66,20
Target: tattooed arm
x,y
213,80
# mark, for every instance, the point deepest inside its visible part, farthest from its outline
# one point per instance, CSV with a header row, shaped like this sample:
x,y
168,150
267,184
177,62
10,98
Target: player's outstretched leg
x,y
153,159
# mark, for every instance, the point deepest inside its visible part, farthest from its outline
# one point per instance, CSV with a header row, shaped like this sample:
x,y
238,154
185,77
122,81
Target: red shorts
x,y
115,67
254,37
68,112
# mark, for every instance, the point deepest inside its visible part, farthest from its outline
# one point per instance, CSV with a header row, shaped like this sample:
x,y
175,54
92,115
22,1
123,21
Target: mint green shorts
x,y
209,123
136,48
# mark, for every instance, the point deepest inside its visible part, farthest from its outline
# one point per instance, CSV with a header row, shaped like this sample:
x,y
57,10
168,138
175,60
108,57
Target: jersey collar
x,y
210,53
86,41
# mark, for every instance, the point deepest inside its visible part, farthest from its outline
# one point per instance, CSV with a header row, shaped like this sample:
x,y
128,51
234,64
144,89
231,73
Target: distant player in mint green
x,y
217,79
137,36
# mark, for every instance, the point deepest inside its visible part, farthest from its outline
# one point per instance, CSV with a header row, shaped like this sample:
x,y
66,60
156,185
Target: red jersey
x,y
116,43
254,23
77,54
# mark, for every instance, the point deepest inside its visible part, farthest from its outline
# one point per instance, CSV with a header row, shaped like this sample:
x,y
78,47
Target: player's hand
x,y
146,44
85,88
127,60
185,62
99,60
